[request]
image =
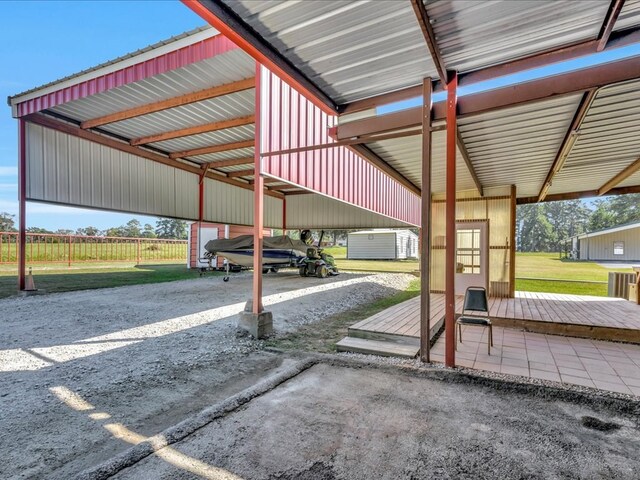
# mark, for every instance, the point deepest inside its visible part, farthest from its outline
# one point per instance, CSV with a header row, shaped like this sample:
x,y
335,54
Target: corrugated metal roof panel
x,y
228,135
629,15
405,155
227,107
517,145
190,37
350,49
228,67
608,141
473,34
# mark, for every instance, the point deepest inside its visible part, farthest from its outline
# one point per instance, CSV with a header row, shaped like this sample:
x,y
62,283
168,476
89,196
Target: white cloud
x,y
8,187
8,171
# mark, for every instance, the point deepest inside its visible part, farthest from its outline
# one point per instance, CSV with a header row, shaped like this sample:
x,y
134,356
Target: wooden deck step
x,y
377,347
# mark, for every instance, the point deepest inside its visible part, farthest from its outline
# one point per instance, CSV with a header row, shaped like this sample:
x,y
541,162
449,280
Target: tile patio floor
x,y
592,363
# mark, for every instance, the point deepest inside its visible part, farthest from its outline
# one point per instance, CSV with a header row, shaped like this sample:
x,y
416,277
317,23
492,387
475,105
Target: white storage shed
x,y
382,245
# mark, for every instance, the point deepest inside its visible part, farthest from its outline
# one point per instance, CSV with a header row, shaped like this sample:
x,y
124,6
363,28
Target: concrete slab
x,y
337,422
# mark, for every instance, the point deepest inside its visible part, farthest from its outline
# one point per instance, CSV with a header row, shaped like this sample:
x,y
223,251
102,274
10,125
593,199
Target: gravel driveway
x,y
147,356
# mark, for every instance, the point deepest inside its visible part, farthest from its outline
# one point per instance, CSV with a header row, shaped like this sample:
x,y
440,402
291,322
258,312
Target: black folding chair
x,y
475,300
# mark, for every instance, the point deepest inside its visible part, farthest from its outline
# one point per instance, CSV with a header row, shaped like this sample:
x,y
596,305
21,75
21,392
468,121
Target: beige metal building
x,y
619,243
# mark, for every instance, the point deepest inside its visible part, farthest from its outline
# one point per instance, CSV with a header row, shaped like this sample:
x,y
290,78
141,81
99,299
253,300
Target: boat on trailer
x,y
277,252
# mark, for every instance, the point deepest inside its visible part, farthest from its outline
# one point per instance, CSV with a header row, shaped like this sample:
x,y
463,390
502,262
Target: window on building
x,y
618,248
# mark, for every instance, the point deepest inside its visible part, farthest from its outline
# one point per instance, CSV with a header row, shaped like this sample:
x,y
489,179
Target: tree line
x,y
547,227
164,228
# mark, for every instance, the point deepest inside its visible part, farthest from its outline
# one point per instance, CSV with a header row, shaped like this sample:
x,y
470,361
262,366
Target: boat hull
x,y
244,258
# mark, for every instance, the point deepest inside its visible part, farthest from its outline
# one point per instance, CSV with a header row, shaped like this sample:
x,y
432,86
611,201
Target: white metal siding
x,y
601,246
225,203
318,211
68,170
376,246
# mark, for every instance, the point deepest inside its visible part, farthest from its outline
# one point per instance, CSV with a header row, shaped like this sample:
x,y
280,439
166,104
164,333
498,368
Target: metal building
x,y
620,243
382,245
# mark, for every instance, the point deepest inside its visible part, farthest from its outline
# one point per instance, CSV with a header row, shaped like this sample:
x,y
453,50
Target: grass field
x,y
531,268
55,279
96,251
390,266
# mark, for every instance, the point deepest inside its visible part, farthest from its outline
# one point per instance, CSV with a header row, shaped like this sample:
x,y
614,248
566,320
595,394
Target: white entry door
x,y
204,235
472,255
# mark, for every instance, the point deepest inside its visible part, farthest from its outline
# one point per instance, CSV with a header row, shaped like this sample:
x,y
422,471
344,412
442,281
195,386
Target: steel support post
x,y
450,259
425,224
22,203
258,204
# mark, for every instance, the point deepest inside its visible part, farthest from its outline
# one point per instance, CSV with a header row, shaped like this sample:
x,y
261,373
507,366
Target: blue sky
x,y
47,40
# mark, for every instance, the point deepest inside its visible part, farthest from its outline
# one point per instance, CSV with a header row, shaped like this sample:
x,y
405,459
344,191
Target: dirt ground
x,y
346,421
146,356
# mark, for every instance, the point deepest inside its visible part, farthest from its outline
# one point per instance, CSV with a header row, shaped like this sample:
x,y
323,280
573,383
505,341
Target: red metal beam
x,y
568,141
232,26
609,23
258,206
616,40
425,225
450,224
535,90
429,37
22,203
467,160
224,147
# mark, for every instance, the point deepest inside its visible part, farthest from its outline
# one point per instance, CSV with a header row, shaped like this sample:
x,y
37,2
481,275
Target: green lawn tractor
x,y
316,263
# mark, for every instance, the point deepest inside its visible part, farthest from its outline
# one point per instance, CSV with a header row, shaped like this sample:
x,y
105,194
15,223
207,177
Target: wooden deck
x,y
599,318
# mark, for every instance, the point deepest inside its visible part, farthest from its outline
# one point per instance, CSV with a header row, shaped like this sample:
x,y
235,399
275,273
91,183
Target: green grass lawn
x,y
83,250
532,268
55,279
388,266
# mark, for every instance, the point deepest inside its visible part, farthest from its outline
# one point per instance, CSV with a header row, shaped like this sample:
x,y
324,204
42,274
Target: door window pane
x,y
468,251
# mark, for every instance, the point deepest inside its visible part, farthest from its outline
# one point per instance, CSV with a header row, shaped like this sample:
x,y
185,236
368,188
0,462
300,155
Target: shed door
x,y
472,256
204,235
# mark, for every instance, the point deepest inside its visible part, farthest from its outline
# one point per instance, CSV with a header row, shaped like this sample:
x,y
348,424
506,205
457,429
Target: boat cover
x,y
245,242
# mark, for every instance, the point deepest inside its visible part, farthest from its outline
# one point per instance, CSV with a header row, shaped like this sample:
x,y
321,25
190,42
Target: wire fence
x,y
71,249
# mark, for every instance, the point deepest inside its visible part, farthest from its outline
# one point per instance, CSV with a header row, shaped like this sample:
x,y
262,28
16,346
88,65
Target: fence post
x,y
69,261
139,252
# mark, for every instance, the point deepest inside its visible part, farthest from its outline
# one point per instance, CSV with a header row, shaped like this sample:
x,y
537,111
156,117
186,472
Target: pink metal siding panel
x,y
170,61
291,121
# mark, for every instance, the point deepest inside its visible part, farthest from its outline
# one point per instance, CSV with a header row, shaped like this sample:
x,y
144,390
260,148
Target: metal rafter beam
x,y
577,195
620,177
178,101
195,130
616,40
240,173
429,37
78,132
568,142
609,23
239,32
379,163
232,162
467,160
522,93
224,147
